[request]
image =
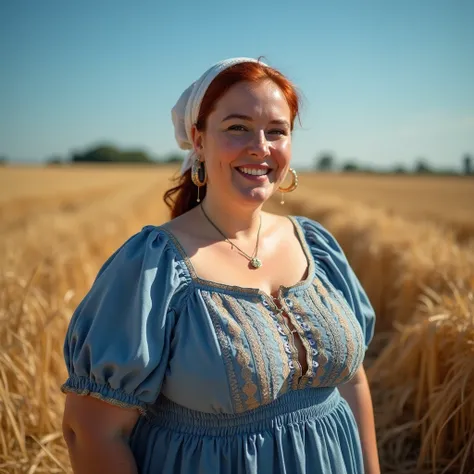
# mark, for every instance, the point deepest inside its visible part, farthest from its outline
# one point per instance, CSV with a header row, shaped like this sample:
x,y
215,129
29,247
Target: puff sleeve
x,y
118,340
332,262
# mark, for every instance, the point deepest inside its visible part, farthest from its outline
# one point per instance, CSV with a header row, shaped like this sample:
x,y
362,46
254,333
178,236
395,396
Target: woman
x,y
221,342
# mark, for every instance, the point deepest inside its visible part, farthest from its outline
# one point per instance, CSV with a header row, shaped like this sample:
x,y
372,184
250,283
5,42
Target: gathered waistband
x,y
293,407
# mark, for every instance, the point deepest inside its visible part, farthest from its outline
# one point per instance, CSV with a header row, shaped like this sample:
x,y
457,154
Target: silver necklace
x,y
255,262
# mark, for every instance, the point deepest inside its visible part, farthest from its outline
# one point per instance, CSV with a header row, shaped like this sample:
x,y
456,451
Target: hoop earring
x,y
198,175
291,187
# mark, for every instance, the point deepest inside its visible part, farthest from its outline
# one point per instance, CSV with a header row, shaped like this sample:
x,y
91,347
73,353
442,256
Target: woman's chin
x,y
257,195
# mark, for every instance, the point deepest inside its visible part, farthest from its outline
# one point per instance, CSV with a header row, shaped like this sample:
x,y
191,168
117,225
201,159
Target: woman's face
x,y
246,145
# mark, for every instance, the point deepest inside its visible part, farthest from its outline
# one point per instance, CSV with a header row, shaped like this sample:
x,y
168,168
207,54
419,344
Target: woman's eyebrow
x,y
249,119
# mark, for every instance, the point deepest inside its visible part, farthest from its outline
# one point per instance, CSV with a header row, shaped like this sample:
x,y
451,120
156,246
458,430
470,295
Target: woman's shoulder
x,y
322,243
152,241
148,251
306,222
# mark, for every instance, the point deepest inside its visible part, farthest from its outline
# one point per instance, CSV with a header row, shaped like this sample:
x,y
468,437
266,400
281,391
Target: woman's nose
x,y
259,146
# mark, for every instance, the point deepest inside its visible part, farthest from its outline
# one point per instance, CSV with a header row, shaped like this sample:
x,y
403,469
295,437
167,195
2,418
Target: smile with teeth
x,y
254,171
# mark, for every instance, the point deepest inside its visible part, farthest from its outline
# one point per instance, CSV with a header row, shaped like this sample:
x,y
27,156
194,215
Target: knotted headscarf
x,y
186,111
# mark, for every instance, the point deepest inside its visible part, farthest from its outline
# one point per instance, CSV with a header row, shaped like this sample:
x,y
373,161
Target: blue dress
x,y
214,369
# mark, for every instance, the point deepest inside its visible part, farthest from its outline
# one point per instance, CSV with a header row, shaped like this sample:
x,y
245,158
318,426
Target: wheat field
x,y
409,239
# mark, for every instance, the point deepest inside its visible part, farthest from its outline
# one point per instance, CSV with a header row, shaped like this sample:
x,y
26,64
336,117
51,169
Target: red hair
x,y
182,197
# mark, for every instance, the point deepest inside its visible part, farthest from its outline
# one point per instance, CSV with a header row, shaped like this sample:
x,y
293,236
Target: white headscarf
x,y
185,112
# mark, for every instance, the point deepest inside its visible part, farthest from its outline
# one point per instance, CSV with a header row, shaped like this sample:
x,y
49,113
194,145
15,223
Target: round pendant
x,y
256,262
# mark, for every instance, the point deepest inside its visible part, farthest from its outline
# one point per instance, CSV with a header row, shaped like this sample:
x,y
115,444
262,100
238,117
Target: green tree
x,y
111,154
325,162
134,156
399,169
174,158
422,167
467,162
350,167
100,154
54,160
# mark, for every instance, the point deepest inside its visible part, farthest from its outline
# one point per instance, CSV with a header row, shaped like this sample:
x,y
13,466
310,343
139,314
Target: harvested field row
x,y
28,182
443,201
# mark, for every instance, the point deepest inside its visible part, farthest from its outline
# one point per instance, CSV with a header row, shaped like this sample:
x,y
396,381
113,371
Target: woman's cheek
x,y
285,145
283,153
235,140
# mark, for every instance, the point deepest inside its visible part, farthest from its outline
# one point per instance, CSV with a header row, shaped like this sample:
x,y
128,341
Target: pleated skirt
x,y
302,432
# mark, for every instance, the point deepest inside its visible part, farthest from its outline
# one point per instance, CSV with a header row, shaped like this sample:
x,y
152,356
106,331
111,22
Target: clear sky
x,y
383,81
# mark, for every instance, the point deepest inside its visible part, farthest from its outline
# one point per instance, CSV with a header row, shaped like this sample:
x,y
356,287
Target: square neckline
x,y
206,283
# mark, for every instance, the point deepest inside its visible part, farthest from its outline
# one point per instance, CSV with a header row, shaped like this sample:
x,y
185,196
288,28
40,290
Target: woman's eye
x,y
243,128
238,128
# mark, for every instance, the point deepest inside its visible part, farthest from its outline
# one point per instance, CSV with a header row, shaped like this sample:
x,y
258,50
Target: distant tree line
x,y
110,154
326,162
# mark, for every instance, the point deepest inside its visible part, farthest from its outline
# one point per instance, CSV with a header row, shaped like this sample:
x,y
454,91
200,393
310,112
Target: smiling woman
x,y
239,77
246,155
227,340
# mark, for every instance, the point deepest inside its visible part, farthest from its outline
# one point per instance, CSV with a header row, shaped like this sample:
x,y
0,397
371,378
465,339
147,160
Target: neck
x,y
238,224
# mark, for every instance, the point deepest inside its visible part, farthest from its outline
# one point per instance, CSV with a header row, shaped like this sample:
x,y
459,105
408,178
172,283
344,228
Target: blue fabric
x,y
213,368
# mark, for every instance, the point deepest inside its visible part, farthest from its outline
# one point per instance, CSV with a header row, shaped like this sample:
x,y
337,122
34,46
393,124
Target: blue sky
x,y
383,82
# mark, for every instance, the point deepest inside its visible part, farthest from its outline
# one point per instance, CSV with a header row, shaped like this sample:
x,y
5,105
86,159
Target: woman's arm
x,y
357,394
96,435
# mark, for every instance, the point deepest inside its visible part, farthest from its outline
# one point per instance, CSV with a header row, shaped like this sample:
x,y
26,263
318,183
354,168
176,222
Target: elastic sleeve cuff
x,y
117,397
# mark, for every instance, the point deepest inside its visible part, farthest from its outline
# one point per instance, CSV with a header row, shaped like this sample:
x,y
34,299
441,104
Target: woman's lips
x,y
255,177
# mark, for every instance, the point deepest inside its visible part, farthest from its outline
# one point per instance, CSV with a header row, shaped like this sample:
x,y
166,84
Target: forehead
x,y
263,97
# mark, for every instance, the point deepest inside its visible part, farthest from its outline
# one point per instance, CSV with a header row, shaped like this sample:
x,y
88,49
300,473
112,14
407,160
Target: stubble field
x,y
409,239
